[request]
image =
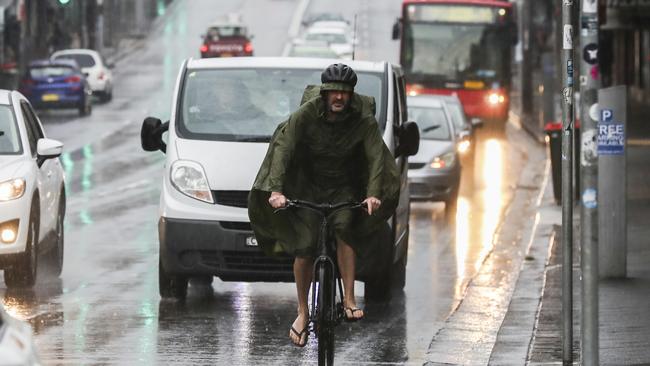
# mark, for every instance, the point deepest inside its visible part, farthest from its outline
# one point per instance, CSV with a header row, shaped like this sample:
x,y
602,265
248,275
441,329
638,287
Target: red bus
x,y
460,47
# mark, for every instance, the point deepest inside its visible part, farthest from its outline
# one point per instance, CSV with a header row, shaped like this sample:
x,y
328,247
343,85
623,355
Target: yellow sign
x,y
472,84
50,97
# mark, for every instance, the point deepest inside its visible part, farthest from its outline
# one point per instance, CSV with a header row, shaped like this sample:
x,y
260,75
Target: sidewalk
x,y
532,328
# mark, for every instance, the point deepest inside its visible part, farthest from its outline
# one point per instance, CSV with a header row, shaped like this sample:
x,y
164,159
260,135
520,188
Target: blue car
x,y
55,84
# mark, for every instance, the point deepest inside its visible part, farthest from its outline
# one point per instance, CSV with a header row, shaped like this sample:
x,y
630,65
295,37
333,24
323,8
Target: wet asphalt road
x,y
105,308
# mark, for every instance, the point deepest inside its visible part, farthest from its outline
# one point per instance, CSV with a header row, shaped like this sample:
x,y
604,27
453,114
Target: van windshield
x,y
248,104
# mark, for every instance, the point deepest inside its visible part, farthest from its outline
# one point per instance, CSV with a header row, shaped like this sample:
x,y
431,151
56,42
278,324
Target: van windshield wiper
x,y
431,128
254,139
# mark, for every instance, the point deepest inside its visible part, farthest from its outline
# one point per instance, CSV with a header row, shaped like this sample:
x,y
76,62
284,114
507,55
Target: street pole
x,y
589,84
567,181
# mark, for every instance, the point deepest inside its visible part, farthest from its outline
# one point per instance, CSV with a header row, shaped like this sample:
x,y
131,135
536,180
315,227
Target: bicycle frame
x,y
325,276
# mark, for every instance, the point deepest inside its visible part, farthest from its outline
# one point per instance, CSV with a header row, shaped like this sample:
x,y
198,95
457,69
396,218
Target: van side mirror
x,y
397,29
409,139
151,134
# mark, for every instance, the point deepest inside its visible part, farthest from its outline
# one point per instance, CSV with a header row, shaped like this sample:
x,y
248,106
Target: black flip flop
x,y
352,311
300,334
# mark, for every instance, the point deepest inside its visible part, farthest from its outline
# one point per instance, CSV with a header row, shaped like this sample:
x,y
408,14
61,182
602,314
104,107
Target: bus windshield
x,y
455,52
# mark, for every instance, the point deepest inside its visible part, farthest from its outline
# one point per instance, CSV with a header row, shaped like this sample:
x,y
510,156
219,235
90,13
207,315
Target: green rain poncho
x,y
310,158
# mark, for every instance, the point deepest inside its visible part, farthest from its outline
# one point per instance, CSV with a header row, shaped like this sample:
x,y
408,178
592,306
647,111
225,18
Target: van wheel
x,y
380,286
169,286
24,270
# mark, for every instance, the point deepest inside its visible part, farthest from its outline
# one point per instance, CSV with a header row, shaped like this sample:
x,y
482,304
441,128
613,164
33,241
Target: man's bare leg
x,y
346,260
302,271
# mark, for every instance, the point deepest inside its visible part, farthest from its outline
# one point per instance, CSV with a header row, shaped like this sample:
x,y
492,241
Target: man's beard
x,y
338,114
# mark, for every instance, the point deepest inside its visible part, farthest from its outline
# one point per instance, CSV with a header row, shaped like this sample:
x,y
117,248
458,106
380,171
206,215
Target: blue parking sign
x,y
606,115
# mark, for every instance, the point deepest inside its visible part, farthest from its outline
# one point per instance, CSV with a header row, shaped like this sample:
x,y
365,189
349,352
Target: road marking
x,y
295,25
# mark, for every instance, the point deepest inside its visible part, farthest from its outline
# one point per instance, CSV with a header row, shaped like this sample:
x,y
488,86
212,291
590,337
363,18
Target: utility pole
x,y
567,181
589,84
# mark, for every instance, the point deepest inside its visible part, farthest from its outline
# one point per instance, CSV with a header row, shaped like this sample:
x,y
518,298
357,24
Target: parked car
x,y
434,172
95,68
229,108
16,341
32,194
338,39
54,84
227,38
312,49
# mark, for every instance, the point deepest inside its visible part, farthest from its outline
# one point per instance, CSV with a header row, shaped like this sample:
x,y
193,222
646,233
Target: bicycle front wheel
x,y
325,315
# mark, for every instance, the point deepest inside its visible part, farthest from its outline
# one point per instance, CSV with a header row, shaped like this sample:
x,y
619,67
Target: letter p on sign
x,y
606,115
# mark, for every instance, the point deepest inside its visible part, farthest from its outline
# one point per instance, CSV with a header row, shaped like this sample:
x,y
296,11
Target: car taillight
x,y
101,75
204,48
248,48
73,79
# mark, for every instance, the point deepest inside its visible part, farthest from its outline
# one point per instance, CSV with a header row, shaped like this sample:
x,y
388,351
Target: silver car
x,y
434,172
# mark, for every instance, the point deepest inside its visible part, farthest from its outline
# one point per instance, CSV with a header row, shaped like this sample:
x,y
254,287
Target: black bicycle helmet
x,y
338,77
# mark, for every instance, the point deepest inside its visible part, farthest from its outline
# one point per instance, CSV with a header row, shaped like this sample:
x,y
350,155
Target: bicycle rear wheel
x,y
325,315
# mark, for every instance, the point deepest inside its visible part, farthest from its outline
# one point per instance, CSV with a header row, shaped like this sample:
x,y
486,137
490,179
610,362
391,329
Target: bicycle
x,y
325,313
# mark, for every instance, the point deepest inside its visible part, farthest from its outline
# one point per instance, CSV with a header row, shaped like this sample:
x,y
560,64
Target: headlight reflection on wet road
x,y
492,196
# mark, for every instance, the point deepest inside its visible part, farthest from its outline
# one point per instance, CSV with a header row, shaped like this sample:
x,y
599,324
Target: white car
x,y
92,64
223,115
339,40
16,342
32,194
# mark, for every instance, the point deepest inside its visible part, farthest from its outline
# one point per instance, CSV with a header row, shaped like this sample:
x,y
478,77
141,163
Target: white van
x,y
224,113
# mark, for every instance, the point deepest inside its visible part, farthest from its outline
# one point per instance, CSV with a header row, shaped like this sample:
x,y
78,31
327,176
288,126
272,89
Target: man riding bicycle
x,y
329,150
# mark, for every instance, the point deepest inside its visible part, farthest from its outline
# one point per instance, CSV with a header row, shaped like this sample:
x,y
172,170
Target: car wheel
x,y
83,109
54,258
451,203
23,272
170,286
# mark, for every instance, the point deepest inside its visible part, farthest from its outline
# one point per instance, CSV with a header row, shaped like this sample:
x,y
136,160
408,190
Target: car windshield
x,y
336,38
248,104
432,122
323,52
215,33
9,135
82,60
457,115
50,71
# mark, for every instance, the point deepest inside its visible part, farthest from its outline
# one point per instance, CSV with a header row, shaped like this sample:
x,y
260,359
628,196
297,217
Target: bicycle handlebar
x,y
324,209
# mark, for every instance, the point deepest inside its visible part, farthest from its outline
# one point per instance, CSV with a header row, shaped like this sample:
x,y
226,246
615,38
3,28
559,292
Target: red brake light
x,y
204,48
73,79
248,48
101,76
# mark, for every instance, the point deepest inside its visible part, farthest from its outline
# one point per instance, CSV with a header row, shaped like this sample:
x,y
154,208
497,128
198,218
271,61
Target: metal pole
x,y
567,181
589,84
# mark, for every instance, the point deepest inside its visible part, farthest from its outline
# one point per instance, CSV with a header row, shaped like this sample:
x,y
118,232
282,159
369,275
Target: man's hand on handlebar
x,y
372,204
277,200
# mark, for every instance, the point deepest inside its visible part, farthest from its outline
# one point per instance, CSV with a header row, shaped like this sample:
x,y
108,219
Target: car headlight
x,y
189,178
12,189
443,161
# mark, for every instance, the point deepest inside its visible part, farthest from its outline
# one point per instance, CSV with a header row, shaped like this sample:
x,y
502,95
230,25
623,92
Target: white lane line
x,y
298,14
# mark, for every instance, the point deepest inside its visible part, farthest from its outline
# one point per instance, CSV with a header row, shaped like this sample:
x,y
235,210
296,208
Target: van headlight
x,y
189,178
12,189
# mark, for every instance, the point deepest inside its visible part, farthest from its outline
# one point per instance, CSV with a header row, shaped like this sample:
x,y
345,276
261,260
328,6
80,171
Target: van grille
x,y
249,261
231,198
